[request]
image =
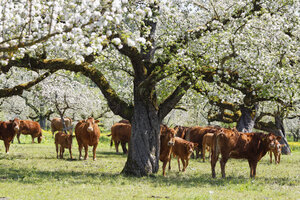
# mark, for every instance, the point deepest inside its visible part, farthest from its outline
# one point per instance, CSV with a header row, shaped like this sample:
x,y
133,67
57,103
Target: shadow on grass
x,y
33,176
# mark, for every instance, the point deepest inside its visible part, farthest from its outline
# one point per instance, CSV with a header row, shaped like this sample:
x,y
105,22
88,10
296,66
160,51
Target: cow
x,y
125,121
195,134
207,143
87,134
166,142
233,144
8,130
183,150
120,133
28,127
65,142
277,152
57,125
180,131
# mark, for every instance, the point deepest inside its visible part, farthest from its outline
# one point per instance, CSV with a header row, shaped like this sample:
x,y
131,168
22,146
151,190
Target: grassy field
x,y
31,171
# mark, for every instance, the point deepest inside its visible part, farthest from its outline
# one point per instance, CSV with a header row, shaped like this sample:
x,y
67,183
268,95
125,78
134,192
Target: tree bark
x,y
143,154
247,120
280,131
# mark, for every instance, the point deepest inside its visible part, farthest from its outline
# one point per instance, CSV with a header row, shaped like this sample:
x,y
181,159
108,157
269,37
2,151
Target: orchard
x,y
228,62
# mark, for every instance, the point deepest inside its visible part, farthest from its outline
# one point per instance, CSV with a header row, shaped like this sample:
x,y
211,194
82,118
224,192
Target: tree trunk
x,y
247,121
42,121
280,131
143,154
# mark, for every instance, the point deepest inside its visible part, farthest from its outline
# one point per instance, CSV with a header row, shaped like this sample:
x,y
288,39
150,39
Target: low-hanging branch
x,y
18,89
118,106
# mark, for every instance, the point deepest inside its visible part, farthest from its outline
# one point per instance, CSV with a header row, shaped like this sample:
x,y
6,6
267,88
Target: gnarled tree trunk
x,y
143,154
280,131
247,121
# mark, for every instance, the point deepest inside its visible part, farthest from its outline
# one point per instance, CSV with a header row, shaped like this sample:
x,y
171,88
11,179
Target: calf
x,y
277,152
120,133
8,130
207,143
28,127
183,150
65,142
232,144
166,142
87,134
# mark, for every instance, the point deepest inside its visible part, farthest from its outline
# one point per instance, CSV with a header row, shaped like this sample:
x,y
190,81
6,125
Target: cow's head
x,y
168,135
190,147
90,124
271,139
40,137
16,124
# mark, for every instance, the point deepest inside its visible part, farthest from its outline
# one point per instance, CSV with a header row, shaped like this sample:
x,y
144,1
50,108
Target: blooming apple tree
x,y
162,47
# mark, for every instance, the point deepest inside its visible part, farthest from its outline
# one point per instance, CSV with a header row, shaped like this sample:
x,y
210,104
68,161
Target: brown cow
x,y
8,130
277,152
57,125
65,142
183,150
125,121
207,143
232,144
87,134
166,142
195,134
120,133
28,127
180,131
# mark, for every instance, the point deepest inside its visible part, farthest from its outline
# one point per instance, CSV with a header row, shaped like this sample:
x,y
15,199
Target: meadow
x,y
32,171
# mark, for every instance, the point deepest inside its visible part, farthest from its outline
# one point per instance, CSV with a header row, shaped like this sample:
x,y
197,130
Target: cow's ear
x,y
97,121
278,138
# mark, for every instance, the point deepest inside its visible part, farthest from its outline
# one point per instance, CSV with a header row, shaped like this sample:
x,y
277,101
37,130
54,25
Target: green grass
x,y
31,171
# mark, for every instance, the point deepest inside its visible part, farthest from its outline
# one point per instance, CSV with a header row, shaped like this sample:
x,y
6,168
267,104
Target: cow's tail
x,y
216,145
111,141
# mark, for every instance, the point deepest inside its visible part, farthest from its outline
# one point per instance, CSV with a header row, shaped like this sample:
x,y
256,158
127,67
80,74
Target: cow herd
x,y
178,142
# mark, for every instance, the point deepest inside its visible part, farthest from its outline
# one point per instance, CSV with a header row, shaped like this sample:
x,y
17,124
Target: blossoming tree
x,y
173,45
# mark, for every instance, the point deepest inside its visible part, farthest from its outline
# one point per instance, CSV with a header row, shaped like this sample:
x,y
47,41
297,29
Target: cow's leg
x,y
209,154
170,164
117,146
80,149
254,169
123,144
85,151
70,151
32,138
213,161
252,166
94,151
203,151
164,167
56,145
62,150
223,163
184,164
6,144
270,152
278,159
18,137
178,163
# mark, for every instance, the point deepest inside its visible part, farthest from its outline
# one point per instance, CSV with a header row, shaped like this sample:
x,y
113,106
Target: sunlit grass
x,y
31,171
